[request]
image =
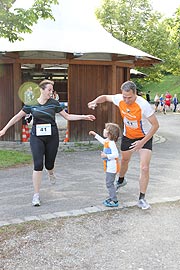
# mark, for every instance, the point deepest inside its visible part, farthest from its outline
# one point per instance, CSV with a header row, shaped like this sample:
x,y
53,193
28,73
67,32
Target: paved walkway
x,y
80,188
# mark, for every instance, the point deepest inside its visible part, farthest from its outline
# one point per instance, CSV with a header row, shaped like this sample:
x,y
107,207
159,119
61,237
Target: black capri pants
x,y
44,149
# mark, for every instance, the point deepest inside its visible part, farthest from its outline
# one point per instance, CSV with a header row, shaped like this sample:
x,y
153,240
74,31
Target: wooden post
x,y
17,80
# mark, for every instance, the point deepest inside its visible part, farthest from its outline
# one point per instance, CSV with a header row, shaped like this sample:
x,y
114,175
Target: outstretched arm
x,y
12,121
75,117
97,136
100,99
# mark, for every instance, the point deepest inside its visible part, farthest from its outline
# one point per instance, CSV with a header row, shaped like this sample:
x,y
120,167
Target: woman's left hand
x,y
89,117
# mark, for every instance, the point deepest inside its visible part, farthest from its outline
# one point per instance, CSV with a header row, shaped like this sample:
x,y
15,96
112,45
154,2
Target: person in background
x,y
140,124
156,102
44,138
175,102
168,98
55,95
162,104
148,98
110,157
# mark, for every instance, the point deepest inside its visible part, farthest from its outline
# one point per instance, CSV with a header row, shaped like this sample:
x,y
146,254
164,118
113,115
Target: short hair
x,y
43,83
128,86
113,131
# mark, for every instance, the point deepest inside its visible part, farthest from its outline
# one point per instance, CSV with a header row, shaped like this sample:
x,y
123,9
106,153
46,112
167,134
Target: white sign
x,y
43,129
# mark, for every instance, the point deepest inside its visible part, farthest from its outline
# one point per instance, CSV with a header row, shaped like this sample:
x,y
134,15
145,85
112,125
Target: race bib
x,y
130,123
43,130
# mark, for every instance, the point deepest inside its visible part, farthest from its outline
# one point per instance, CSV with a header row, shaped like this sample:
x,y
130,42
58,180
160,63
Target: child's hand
x,y
103,155
91,132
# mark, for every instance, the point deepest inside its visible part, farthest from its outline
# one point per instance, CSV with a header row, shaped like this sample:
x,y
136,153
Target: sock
x,y
141,196
120,180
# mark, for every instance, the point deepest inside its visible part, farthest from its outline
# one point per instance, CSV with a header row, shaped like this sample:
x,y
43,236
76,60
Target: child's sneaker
x,y
36,200
111,203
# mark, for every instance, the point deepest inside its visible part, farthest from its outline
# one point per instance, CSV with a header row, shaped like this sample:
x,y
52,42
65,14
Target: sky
x,y
166,7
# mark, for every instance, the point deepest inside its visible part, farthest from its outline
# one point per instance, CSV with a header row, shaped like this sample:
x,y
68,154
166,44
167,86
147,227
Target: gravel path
x,y
122,239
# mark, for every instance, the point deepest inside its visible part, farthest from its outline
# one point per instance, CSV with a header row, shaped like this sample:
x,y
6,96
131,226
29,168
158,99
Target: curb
x,y
68,146
83,211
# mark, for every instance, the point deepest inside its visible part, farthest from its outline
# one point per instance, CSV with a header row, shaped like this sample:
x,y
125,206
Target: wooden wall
x,y
61,89
6,99
9,101
86,82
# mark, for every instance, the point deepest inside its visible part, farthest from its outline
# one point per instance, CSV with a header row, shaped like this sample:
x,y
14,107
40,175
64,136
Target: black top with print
x,y
44,114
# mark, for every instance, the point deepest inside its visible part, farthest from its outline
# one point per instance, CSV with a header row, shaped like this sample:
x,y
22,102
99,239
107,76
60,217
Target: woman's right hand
x,y
2,132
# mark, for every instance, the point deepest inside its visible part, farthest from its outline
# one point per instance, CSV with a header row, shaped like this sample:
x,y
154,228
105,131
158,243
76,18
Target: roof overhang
x,y
72,38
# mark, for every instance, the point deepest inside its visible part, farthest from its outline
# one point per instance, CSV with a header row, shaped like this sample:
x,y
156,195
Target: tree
x,y
15,22
125,19
135,23
174,33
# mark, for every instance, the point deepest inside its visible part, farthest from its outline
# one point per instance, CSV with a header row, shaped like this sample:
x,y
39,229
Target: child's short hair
x,y
113,131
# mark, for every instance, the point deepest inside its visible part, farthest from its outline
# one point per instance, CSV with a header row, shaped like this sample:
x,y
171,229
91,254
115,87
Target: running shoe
x,y
111,203
143,204
52,178
36,200
119,185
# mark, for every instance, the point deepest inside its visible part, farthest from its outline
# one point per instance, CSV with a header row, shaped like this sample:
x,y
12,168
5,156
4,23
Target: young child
x,y
110,158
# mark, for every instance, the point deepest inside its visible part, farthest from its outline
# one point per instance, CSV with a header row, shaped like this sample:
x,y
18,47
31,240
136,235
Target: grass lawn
x,y
169,83
10,158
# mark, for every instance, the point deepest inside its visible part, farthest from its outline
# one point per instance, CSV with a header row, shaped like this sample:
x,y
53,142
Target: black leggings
x,y
44,146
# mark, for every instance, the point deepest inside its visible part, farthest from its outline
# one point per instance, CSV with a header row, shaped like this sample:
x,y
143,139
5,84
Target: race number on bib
x,y
130,123
43,129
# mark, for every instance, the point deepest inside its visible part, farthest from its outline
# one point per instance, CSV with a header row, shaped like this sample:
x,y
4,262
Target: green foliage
x,y
169,83
135,23
124,19
11,158
13,22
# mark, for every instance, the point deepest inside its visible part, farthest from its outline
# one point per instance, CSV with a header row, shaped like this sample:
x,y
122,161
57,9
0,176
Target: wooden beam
x,y
116,57
69,56
38,67
17,101
7,61
13,55
114,90
72,62
8,57
119,60
146,63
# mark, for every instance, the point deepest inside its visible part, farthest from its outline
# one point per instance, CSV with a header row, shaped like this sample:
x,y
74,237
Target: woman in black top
x,y
44,140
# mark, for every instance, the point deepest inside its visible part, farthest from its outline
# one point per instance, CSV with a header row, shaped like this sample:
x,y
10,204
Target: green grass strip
x,y
9,158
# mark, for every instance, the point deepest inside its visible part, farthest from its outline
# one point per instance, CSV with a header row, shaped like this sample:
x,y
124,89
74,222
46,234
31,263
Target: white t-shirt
x,y
111,162
135,116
